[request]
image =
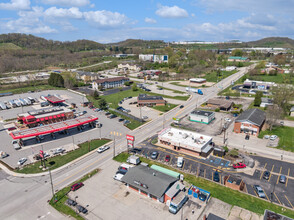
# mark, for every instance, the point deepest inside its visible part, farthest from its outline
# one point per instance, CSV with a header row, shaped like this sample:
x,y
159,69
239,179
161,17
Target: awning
x,y
30,117
38,120
46,118
62,115
54,116
58,116
50,117
42,119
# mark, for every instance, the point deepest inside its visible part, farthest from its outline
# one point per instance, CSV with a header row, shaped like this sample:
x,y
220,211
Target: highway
x,y
26,198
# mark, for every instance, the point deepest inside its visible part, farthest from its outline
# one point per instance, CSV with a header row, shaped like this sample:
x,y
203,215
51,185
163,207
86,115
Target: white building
x,y
197,80
204,117
128,66
154,58
185,141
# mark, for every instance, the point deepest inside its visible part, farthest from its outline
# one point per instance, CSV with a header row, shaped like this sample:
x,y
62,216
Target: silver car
x,y
259,191
282,179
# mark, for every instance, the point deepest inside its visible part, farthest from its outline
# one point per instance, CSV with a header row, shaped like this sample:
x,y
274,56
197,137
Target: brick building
x,y
146,100
222,104
250,121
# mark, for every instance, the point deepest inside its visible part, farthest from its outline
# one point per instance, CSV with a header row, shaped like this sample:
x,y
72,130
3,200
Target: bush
x,y
217,110
226,149
234,153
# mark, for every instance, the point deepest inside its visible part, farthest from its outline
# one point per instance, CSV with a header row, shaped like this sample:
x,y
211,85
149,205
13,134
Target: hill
x,y
284,42
139,43
36,43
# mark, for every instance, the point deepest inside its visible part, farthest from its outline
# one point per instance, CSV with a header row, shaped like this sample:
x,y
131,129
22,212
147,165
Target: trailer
x,y
198,91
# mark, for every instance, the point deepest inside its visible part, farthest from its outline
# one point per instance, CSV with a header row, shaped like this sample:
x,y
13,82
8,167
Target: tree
x,y
257,99
56,79
102,104
134,87
282,94
237,52
95,95
273,114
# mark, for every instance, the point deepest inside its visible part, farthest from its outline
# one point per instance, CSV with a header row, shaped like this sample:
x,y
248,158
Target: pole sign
x,y
130,141
130,138
41,154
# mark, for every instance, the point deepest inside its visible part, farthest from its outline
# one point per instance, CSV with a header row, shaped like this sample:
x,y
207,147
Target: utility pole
x,y
113,144
140,112
100,131
51,182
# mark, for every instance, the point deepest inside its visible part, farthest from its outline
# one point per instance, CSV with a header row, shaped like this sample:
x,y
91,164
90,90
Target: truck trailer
x,y
199,91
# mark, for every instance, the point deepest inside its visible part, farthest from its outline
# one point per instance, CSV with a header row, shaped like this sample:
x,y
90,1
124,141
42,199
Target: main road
x,y
26,197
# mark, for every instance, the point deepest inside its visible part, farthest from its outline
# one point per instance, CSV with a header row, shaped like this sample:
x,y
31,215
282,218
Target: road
x,y
26,198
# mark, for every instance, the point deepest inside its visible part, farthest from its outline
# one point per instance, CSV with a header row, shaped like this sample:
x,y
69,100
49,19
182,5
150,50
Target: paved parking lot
x,y
275,191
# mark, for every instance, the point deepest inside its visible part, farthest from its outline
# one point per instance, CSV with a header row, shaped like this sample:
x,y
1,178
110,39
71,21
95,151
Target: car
x,y
133,151
130,97
167,158
113,116
76,186
81,209
159,88
122,171
266,136
180,162
228,119
202,197
11,128
144,117
103,148
121,119
239,165
216,176
181,106
126,122
58,151
16,145
118,176
247,137
98,125
22,161
137,149
107,113
84,112
259,191
282,179
154,155
273,137
71,202
46,154
266,175
148,90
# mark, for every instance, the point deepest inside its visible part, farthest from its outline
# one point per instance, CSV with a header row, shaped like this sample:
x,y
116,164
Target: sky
x,y
169,20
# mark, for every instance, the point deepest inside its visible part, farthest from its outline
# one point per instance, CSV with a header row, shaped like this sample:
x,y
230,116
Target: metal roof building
x,y
253,115
166,171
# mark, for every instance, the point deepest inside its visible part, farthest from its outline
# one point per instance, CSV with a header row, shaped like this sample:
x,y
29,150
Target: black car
x,y
113,116
266,175
137,149
202,197
118,108
181,106
107,113
247,137
82,209
216,176
71,202
122,171
121,119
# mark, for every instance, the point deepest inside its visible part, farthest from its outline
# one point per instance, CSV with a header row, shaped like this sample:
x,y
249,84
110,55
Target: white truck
x,y
133,160
180,162
177,203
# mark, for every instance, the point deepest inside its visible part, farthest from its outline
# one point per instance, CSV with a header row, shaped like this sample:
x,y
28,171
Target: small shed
x,y
234,183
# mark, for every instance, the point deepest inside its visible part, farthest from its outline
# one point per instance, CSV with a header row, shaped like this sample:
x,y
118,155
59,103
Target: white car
x,y
103,148
228,119
145,117
118,176
22,161
266,136
273,137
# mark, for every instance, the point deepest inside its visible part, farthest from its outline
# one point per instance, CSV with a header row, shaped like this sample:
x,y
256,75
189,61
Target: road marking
x,y
277,198
279,175
287,177
263,170
289,202
266,195
254,191
271,173
204,172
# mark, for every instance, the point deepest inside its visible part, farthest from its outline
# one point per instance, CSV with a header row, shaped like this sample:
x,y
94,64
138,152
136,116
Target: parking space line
x,y
287,177
271,173
204,172
266,195
254,191
277,198
263,170
289,202
279,175
212,175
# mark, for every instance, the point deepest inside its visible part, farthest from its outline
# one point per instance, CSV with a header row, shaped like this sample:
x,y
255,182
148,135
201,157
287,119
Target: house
x,y
273,69
86,76
238,59
128,66
154,58
204,117
109,82
292,111
224,105
266,102
146,100
250,121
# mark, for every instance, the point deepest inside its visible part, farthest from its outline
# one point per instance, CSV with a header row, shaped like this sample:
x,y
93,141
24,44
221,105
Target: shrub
x,y
226,149
217,110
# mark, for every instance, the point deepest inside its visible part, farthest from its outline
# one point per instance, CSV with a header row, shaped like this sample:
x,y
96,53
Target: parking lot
x,y
275,191
74,138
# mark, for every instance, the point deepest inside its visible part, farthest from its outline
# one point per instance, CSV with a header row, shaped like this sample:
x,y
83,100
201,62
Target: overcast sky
x,y
169,20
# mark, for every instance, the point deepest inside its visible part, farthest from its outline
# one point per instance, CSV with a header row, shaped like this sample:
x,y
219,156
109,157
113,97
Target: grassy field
x,y
230,196
134,123
58,202
61,160
286,135
29,88
165,108
174,91
212,77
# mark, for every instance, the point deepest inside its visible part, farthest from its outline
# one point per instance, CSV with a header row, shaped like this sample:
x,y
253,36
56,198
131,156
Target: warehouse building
x,y
186,141
204,117
150,101
197,80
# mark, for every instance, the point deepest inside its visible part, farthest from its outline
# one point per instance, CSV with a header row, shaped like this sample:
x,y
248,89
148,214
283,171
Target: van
x,y
125,166
180,162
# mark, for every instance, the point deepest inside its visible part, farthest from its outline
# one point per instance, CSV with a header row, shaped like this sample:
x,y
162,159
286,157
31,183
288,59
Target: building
x,y
204,117
230,68
250,121
234,183
54,99
197,80
292,111
154,58
266,102
128,66
185,141
109,82
44,116
222,104
238,59
259,85
270,215
149,182
146,100
86,76
273,69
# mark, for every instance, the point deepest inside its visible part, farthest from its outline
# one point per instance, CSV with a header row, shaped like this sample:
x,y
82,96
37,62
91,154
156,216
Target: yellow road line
x,y
277,198
204,172
287,177
254,191
271,173
212,176
279,175
263,170
289,202
266,195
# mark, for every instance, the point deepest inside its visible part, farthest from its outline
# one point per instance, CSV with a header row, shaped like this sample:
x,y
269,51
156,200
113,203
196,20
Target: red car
x,y
76,186
167,158
239,165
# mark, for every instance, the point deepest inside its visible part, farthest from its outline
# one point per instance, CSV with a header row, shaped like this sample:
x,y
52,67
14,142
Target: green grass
x,y
286,135
178,84
290,118
212,77
269,78
174,91
61,160
29,88
165,108
61,197
134,123
230,196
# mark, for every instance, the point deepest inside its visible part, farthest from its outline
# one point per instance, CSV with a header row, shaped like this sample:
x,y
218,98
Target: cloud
x,y
63,13
76,3
171,12
150,20
16,5
105,19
